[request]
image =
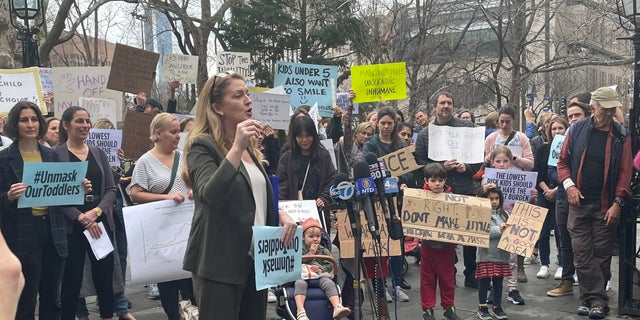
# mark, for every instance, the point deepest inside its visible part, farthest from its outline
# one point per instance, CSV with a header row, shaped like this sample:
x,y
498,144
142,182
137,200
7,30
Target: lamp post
x,y
27,10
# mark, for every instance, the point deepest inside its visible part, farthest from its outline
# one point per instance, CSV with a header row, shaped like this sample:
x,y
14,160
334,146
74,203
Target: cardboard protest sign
x,y
238,62
347,241
100,108
135,134
271,109
515,185
376,82
401,161
275,263
307,84
446,217
20,85
46,79
461,143
342,100
109,140
89,82
525,223
300,210
53,184
132,70
179,67
554,152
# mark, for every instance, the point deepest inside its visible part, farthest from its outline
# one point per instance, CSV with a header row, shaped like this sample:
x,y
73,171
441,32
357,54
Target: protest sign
x,y
515,185
53,184
271,109
132,70
238,62
446,217
401,161
342,100
46,79
464,144
89,82
100,108
20,85
525,224
109,140
157,234
328,144
347,241
376,82
515,150
179,67
307,84
275,263
300,210
135,134
554,152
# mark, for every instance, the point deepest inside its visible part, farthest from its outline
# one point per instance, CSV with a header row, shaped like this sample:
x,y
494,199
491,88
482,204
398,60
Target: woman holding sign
x,y
232,194
91,215
35,235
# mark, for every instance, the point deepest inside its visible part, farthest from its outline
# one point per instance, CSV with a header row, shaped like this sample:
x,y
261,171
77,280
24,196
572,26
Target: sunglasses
x,y
222,76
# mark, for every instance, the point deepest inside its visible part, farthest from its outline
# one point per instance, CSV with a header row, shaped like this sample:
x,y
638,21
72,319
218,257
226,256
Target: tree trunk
x,y
7,37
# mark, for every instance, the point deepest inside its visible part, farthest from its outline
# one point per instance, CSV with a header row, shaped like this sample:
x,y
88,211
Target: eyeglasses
x,y
221,75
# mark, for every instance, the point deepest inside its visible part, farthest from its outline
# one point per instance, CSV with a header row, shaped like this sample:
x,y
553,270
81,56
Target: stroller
x,y
411,249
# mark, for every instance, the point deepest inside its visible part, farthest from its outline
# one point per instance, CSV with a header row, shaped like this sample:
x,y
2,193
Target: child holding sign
x,y
492,264
316,269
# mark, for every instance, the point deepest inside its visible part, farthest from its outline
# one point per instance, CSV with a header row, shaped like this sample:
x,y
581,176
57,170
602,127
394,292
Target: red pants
x,y
437,266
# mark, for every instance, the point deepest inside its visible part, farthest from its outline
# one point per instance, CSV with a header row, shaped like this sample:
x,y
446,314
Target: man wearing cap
x,y
595,169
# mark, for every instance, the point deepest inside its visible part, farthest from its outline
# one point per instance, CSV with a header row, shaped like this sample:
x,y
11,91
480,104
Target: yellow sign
x,y
525,224
446,217
401,161
376,82
347,241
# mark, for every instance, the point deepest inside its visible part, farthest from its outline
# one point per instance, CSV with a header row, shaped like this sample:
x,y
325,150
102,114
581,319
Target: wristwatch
x,y
98,211
619,202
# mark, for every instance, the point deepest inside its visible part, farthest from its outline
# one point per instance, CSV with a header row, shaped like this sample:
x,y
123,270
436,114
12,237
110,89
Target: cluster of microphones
x,y
371,183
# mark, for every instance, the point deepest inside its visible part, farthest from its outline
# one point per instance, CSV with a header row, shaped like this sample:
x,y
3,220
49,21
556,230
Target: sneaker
x,y
522,277
608,286
498,313
515,297
558,274
428,315
302,315
400,295
388,296
583,310
531,260
152,291
483,313
340,312
489,296
543,273
450,313
271,296
597,312
565,288
404,284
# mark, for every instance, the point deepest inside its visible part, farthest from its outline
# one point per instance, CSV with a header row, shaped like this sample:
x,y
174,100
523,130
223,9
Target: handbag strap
x,y
513,134
174,169
305,175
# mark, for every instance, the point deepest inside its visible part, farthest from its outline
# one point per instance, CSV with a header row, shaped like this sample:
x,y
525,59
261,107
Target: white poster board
x,y
179,67
238,62
100,108
20,85
271,109
464,144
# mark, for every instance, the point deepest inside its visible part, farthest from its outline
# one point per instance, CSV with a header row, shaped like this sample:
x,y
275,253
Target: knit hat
x,y
310,223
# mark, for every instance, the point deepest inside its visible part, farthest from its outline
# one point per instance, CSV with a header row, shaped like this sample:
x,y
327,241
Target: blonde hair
x,y
362,126
208,123
103,123
160,123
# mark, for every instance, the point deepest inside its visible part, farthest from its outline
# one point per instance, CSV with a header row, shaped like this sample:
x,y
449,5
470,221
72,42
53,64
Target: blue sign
x,y
365,186
275,263
307,84
53,184
554,152
391,185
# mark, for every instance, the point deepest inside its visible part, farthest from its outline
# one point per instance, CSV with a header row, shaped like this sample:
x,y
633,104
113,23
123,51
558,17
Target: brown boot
x,y
384,311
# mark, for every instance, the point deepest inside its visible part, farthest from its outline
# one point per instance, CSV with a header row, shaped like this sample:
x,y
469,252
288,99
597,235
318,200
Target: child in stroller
x,y
316,269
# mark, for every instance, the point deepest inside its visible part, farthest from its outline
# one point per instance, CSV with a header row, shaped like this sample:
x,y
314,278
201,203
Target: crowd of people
x,y
225,167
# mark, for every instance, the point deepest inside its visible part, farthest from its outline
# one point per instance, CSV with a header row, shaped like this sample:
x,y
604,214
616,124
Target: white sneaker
x,y
152,291
608,286
558,274
271,296
389,299
533,259
543,273
400,295
575,279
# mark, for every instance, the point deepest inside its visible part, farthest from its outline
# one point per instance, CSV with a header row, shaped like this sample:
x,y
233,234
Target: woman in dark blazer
x,y
74,129
232,194
37,236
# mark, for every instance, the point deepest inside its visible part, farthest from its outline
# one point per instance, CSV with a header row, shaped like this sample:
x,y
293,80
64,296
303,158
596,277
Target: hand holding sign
x,y
16,191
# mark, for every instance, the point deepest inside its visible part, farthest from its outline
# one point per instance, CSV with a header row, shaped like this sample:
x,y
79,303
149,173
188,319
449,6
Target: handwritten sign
x,y
376,82
109,141
300,210
132,70
342,100
179,67
554,152
401,161
275,263
307,84
53,184
238,62
89,82
46,79
20,85
100,108
446,217
515,185
347,241
272,109
463,144
525,224
135,134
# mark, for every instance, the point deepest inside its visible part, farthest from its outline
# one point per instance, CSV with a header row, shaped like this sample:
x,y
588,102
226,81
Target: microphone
x,y
365,186
378,174
387,187
394,225
342,192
